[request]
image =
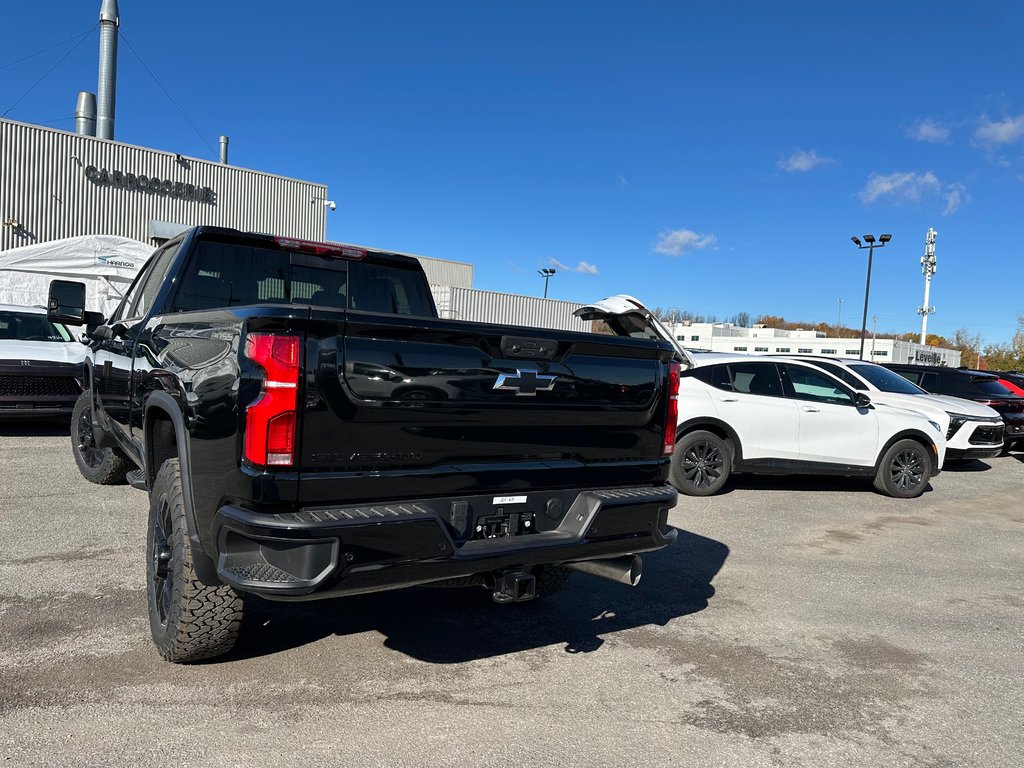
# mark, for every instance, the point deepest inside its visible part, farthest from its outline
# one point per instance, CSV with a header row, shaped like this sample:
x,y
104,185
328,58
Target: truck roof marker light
x,y
320,249
270,419
672,416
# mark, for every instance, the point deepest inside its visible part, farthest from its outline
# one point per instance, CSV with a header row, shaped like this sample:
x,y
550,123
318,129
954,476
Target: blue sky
x,y
713,156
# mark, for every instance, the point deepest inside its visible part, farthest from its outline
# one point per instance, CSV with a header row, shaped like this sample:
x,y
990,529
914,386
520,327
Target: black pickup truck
x,y
306,427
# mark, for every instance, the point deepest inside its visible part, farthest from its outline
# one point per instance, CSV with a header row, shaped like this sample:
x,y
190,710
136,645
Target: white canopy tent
x,y
107,264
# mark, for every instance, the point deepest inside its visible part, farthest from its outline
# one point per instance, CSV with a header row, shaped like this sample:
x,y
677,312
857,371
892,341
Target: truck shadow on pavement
x,y
802,483
35,428
453,625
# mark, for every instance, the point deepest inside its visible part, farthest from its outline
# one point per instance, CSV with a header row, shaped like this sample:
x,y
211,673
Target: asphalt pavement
x,y
804,622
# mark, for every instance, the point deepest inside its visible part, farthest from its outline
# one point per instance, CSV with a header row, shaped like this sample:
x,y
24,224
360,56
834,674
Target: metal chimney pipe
x,y
224,149
107,87
85,114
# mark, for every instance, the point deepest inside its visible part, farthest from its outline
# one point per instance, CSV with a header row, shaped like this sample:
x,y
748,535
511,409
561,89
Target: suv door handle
x,y
810,409
729,399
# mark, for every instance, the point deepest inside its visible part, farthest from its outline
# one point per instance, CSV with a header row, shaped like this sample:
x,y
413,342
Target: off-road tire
x,y
701,464
550,579
103,466
189,620
904,470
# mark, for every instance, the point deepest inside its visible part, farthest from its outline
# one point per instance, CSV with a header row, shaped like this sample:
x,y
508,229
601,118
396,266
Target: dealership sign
x,y
929,358
150,184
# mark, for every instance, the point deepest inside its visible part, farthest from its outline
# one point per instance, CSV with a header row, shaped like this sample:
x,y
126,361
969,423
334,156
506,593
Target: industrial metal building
x,y
55,184
493,307
759,340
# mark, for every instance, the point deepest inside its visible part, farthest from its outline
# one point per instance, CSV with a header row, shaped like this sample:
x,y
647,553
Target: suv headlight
x,y
956,420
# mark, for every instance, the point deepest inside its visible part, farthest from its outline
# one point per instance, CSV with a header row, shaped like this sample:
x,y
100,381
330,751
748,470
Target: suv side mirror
x,y
861,400
66,304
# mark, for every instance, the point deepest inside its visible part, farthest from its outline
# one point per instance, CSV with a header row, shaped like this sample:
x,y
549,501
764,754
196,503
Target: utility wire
x,y
168,94
45,74
44,50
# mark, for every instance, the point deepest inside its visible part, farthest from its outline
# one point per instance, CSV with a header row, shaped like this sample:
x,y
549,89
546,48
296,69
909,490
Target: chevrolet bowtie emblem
x,y
526,382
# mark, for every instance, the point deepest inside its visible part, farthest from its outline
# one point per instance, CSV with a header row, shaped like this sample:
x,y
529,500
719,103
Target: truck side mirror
x,y
66,304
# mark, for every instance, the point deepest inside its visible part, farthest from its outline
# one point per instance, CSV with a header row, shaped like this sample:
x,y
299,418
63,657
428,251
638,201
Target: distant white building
x,y
760,340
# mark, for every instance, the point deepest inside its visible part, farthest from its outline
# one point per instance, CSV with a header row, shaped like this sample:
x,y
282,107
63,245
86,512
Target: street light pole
x,y
546,274
871,245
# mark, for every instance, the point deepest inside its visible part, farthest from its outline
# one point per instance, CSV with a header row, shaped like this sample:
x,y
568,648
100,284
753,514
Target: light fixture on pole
x,y
871,245
546,274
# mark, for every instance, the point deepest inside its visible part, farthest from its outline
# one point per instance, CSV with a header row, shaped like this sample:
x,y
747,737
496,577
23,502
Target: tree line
x,y
974,353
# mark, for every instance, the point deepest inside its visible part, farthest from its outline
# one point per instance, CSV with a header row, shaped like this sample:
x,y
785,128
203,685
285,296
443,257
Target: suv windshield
x,y
886,380
28,326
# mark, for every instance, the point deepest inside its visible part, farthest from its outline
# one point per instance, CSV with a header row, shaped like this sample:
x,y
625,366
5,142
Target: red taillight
x,y
270,420
672,417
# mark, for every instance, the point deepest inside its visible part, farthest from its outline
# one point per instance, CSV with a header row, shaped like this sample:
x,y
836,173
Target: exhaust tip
x,y
624,570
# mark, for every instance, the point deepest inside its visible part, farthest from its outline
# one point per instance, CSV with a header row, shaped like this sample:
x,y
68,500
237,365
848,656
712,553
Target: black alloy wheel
x,y
907,469
91,455
103,466
701,464
904,470
189,620
160,555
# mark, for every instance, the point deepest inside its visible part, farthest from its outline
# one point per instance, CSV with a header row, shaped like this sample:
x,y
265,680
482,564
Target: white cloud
x,y
956,195
900,187
583,268
802,161
999,132
929,130
623,182
911,187
676,242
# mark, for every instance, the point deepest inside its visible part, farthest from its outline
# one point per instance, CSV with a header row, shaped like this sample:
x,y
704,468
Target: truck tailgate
x,y
402,407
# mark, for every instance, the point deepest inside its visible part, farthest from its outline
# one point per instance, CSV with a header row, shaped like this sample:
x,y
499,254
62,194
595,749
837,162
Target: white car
x,y
40,364
740,413
975,430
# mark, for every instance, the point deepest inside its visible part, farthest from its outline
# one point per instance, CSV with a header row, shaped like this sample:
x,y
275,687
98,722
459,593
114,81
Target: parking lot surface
x,y
796,622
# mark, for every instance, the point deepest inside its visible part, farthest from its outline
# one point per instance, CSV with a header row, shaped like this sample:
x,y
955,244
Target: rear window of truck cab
x,y
223,274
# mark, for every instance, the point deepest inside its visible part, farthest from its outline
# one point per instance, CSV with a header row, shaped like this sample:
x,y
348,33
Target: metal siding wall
x,y
442,272
43,186
509,309
443,299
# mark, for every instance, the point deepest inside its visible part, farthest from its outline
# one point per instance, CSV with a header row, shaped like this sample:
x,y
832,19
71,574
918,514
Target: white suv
x,y
975,430
740,413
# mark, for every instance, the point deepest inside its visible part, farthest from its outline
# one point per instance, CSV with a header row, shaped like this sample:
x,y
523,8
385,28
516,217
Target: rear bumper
x,y
339,550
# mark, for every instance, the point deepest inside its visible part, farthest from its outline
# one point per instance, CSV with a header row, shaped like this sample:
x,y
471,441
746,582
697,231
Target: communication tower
x,y
928,267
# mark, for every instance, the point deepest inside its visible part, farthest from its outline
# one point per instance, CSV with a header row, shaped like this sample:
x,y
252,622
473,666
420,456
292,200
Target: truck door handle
x,y
810,409
729,399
